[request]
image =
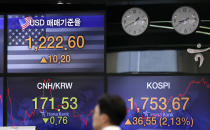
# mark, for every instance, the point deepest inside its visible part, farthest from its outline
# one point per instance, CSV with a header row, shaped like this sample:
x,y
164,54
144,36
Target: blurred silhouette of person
x,y
109,113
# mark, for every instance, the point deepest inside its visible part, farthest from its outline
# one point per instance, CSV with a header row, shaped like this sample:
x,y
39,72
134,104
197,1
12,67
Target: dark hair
x,y
114,107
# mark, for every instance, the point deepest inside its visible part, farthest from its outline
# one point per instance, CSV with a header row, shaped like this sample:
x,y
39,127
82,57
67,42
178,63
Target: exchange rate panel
x,y
72,42
1,43
53,103
1,102
164,102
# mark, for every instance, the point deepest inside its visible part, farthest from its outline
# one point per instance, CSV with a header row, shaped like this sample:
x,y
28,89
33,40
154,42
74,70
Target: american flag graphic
x,y
21,59
25,22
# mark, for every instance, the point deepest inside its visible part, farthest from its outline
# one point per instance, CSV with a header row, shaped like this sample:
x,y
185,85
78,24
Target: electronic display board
x,y
164,102
53,103
1,43
1,102
68,42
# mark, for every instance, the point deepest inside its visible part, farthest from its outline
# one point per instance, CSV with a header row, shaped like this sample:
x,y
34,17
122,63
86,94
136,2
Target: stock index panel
x,y
1,102
72,42
164,102
1,43
53,103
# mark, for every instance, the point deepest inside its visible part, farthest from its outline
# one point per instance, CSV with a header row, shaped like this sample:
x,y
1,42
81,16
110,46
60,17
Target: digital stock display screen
x,y
72,42
1,43
53,103
163,102
1,102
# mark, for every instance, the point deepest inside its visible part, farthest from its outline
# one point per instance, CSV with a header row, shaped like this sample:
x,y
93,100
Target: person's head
x,y
110,110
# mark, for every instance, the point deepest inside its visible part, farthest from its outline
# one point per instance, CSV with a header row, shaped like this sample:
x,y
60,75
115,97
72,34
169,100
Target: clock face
x,y
185,20
135,21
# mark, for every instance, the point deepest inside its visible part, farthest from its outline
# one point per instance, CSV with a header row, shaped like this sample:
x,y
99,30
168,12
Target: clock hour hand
x,y
181,21
137,19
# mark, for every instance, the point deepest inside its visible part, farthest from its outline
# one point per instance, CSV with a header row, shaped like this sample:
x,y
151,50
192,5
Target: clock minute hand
x,y
129,24
181,21
178,24
132,22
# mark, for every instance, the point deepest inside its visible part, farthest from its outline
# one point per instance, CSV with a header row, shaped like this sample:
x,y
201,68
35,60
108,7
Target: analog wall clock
x,y
185,20
135,21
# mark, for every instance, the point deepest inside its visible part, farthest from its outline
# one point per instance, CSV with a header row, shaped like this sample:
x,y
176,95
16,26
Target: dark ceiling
x,y
107,2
